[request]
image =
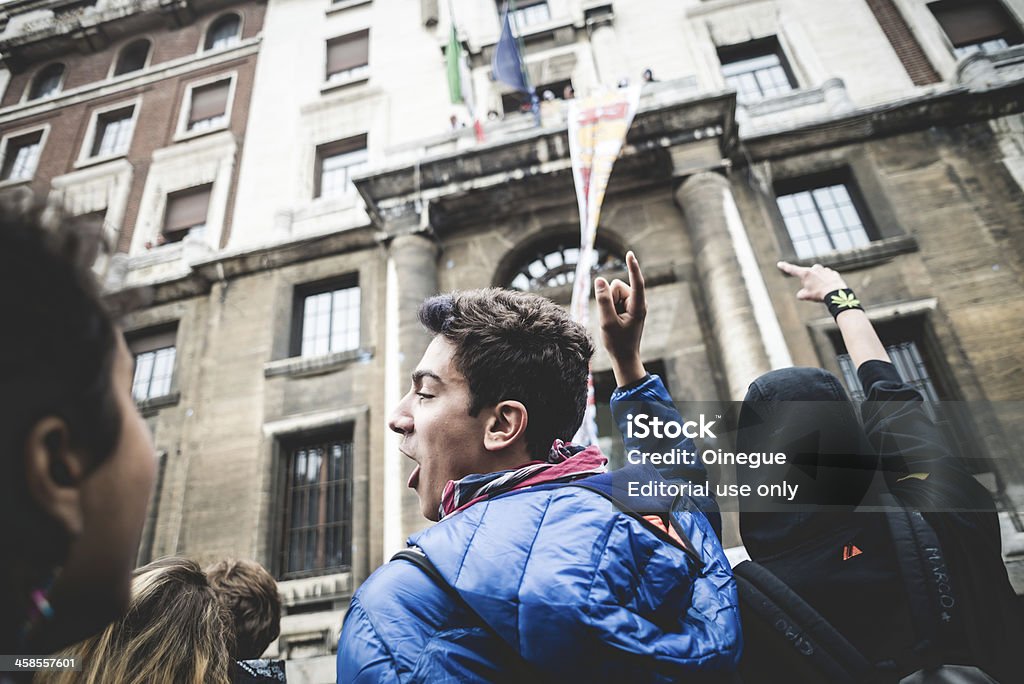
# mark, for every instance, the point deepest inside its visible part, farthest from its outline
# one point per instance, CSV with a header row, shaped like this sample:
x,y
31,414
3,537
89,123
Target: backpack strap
x,y
805,639
926,581
523,669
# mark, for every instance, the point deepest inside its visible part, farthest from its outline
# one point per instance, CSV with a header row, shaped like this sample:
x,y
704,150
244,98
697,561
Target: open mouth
x,y
414,478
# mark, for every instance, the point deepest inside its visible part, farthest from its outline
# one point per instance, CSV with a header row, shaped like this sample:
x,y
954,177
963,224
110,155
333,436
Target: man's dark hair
x,y
250,593
57,346
517,346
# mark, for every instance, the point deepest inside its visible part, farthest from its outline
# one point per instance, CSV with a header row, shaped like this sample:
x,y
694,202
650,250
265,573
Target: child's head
x,y
250,592
77,464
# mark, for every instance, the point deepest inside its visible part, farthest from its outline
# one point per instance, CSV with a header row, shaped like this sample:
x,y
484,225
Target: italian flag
x,y
460,83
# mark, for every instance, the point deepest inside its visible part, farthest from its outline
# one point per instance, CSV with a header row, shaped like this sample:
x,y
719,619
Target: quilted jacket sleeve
x,y
401,627
362,655
650,396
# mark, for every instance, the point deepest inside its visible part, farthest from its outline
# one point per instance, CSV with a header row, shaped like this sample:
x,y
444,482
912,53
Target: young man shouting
x,y
540,575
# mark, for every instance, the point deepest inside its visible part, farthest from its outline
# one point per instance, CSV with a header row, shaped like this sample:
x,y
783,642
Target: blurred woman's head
x,y
76,466
176,630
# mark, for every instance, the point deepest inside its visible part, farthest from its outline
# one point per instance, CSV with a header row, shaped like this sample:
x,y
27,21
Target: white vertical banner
x,y
598,125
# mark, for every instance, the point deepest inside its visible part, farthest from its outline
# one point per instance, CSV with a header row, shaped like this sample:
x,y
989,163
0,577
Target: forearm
x,y
860,338
628,370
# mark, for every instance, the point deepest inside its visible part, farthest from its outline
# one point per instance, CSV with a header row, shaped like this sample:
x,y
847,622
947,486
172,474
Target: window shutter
x,y
153,340
895,27
209,101
970,23
348,52
186,209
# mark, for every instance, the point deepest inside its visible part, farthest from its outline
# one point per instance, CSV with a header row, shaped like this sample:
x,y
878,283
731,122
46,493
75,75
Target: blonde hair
x,y
175,630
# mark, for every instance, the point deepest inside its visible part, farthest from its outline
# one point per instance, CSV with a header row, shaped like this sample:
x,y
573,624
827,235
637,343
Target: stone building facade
x,y
881,137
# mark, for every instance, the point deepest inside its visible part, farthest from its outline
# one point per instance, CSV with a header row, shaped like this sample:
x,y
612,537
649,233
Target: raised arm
x,y
623,309
859,335
920,468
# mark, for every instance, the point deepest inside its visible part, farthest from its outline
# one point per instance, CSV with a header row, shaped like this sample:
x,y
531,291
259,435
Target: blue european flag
x,y
507,64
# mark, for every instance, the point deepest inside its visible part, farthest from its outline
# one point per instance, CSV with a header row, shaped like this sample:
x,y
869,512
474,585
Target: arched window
x,y
47,82
133,57
552,263
224,32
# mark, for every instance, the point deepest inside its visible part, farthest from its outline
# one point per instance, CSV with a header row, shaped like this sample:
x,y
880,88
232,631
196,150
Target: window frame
x,y
354,76
336,148
522,11
305,290
917,327
85,154
152,340
166,204
541,245
27,97
1012,30
287,447
818,180
183,132
209,27
5,142
120,53
752,49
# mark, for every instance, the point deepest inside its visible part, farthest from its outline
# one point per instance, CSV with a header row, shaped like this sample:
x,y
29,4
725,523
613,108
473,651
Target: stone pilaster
x,y
412,277
705,198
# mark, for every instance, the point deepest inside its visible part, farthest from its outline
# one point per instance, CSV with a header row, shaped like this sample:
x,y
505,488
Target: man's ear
x,y
506,426
54,473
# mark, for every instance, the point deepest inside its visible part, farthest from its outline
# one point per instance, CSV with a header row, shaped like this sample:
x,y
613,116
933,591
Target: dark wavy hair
x,y
56,349
250,593
517,346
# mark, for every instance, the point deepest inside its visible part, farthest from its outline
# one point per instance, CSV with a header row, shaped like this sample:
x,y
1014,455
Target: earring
x,y
40,609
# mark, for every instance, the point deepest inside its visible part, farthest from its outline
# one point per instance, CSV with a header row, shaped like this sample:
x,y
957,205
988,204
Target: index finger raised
x,y
792,269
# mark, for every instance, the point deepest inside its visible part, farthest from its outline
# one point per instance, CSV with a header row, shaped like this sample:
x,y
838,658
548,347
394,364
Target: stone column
x,y
411,278
705,199
604,44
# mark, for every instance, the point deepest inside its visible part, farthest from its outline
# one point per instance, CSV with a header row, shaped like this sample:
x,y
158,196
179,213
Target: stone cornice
x,y
947,108
229,265
505,174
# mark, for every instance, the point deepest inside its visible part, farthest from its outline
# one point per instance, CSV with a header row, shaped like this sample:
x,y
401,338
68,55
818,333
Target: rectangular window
x,y
348,57
336,163
823,214
113,132
906,356
976,26
918,359
154,353
528,13
209,104
756,70
22,156
326,318
186,211
317,535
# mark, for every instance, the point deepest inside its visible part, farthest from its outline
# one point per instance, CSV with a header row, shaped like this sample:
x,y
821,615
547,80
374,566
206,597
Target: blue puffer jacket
x,y
582,590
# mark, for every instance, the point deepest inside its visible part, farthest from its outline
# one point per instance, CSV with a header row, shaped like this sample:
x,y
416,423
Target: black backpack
x,y
784,636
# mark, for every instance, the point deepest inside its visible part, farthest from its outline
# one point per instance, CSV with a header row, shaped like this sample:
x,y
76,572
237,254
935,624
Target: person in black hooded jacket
x,y
842,559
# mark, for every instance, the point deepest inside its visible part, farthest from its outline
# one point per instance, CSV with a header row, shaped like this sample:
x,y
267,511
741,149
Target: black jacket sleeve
x,y
920,467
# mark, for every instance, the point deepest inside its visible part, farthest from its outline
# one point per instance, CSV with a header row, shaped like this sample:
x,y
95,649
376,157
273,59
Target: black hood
x,y
805,414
